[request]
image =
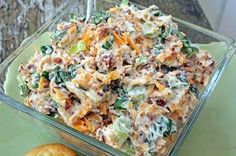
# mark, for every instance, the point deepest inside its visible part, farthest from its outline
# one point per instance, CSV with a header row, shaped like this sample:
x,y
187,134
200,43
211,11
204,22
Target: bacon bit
x,y
67,106
139,39
30,66
160,102
106,120
156,100
103,33
57,60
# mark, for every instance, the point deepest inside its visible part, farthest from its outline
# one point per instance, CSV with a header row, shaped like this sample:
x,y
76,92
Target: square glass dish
x,y
220,47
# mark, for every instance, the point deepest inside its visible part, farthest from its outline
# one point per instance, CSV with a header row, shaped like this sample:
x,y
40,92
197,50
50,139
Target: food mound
x,y
128,77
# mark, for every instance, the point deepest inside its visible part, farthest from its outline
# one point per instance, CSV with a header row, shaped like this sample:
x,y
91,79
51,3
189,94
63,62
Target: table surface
x,y
21,18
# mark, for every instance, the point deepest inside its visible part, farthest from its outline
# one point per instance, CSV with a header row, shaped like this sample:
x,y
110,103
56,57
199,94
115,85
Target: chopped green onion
x,y
141,60
24,90
166,32
181,35
188,48
162,127
59,76
80,46
122,124
157,49
137,94
169,128
64,75
46,50
35,85
108,43
150,30
128,147
120,130
175,83
194,89
119,102
71,70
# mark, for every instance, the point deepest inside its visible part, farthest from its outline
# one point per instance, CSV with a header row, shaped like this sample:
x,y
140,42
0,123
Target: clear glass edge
x,y
92,141
202,102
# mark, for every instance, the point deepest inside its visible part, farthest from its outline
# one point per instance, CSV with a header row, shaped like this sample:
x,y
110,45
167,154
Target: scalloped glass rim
x,y
93,142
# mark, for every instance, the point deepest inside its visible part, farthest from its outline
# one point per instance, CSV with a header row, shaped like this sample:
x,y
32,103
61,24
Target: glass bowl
x,y
220,47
